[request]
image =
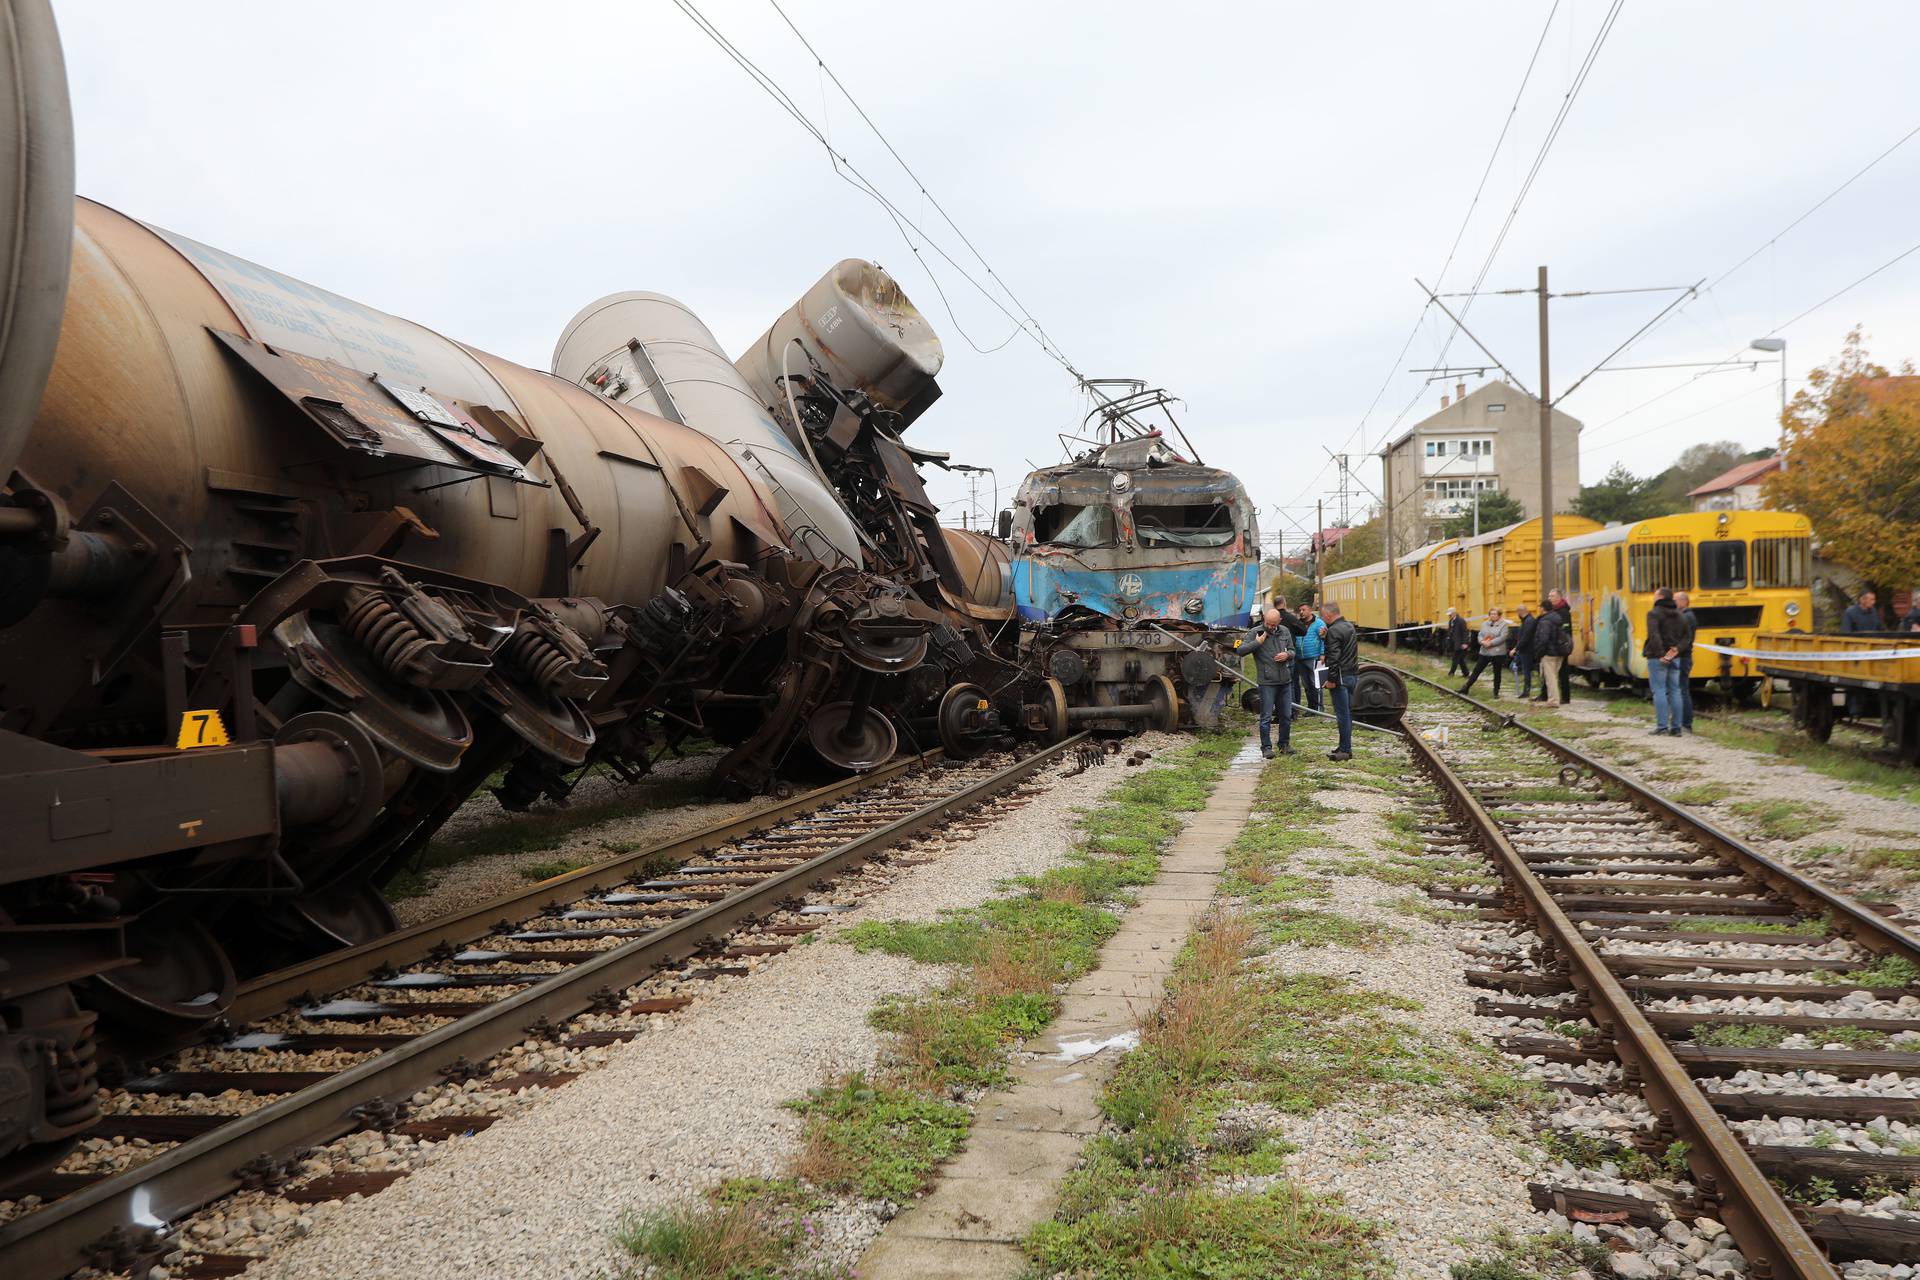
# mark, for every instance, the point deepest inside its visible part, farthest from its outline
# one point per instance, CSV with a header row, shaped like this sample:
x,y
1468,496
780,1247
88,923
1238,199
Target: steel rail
x,y
272,992
1738,1193
1845,916
56,1240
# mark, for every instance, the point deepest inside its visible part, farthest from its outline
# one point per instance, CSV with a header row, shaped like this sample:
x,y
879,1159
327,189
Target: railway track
x,y
426,1008
1721,999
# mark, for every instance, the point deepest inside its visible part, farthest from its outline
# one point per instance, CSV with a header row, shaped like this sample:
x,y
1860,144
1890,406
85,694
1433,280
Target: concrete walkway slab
x,y
1027,1137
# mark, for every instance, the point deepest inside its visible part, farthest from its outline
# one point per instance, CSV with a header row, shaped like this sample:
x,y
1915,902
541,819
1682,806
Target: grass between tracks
x,y
1188,1177
881,1134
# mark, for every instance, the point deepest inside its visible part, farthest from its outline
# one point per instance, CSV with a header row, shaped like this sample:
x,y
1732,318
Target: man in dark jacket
x,y
1689,631
1525,660
1911,621
1343,673
1459,650
1552,643
1271,645
1863,614
1661,649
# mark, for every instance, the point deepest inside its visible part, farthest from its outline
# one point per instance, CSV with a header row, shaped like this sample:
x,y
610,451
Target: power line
x,y
1039,329
1506,124
1764,245
859,181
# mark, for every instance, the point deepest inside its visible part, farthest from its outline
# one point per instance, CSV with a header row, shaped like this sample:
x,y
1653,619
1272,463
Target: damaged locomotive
x,y
1135,568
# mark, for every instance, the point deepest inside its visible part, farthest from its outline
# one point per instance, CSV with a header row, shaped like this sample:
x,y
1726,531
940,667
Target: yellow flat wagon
x,y
1817,666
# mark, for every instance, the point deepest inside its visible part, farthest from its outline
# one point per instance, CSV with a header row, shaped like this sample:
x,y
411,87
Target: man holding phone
x,y
1271,645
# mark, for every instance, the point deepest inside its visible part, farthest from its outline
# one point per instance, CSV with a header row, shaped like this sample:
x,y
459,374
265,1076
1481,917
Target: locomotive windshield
x,y
1723,566
1070,526
1200,526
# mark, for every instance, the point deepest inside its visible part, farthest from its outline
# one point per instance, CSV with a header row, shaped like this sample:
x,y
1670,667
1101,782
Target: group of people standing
x,y
1529,644
1671,628
1296,653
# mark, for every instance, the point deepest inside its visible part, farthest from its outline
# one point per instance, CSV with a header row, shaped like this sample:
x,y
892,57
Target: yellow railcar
x,y
1502,567
1417,584
1361,594
1746,571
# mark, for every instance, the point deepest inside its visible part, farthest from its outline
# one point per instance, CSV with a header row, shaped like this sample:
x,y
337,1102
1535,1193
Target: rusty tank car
x,y
285,579
1135,568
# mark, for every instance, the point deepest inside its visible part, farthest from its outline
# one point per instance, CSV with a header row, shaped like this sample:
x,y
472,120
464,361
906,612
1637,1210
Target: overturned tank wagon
x,y
285,579
1134,570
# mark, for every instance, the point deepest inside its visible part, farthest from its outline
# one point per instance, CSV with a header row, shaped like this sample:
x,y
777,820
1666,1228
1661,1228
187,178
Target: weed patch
x,y
1786,819
1703,793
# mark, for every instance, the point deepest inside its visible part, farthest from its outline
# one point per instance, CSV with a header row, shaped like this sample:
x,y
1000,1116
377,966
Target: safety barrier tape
x,y
1796,655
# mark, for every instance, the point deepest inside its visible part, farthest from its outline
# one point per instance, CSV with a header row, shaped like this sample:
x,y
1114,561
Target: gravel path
x,y
539,1193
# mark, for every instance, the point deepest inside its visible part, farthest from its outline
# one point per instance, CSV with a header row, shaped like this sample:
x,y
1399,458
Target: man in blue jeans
x,y
1343,673
1271,645
1662,652
1307,654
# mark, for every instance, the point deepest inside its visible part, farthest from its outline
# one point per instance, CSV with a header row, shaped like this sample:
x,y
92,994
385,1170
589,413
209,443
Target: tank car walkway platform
x,y
1027,1137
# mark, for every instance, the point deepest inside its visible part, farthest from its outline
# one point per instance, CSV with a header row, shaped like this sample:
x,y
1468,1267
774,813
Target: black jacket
x,y
1523,639
1664,630
1912,620
1272,653
1342,648
1549,636
1689,628
1456,632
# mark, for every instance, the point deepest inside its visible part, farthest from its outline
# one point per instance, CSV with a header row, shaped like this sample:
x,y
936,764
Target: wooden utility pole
x,y
1548,578
1393,595
1319,550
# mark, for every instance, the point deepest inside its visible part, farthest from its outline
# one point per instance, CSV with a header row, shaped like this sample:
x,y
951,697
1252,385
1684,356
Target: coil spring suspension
x,y
538,657
389,635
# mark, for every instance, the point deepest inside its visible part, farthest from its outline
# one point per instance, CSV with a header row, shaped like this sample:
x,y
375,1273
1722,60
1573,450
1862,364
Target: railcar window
x,y
1781,562
1618,576
1723,565
1573,573
1068,526
1665,563
1197,526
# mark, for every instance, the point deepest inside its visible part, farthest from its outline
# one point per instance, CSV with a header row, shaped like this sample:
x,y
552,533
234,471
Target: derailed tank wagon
x,y
1135,568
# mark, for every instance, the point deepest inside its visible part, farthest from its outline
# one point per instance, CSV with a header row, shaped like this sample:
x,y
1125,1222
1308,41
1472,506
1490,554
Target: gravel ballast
x,y
696,1099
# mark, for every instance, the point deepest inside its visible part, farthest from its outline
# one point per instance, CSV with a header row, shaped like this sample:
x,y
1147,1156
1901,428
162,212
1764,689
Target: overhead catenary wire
x,y
901,219
1459,234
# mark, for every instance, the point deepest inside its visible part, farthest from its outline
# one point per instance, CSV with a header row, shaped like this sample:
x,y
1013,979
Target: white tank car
x,y
650,351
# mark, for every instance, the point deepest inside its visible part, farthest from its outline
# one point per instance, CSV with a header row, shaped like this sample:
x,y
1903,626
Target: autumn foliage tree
x,y
1853,465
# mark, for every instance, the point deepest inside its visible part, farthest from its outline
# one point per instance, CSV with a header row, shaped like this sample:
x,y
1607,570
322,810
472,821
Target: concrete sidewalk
x,y
1027,1137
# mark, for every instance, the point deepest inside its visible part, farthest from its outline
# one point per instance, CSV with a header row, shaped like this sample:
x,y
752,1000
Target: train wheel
x,y
1165,701
183,980
856,747
1053,704
1379,696
961,710
344,917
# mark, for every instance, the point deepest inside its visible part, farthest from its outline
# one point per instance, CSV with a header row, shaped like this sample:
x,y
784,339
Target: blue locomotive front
x,y
1134,569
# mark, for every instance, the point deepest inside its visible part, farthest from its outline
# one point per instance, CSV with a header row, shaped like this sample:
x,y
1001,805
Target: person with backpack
x,y
1553,645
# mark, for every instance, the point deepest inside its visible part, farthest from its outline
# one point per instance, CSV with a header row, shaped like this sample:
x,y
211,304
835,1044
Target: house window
x,y
1496,407
1430,445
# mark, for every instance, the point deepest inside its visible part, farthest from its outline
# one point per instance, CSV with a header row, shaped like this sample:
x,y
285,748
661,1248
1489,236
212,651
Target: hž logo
x,y
1130,584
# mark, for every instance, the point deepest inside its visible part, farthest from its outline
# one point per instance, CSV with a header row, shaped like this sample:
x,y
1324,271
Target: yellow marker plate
x,y
201,729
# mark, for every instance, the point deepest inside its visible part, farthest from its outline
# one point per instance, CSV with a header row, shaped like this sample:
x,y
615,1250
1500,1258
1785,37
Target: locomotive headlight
x,y
1195,604
1122,482
1130,612
1793,608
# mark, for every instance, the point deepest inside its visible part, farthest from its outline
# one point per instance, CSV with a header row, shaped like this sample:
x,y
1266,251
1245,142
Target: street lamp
x,y
1779,347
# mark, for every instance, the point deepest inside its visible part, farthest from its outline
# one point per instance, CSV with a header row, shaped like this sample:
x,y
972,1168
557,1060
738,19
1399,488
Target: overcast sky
x,y
1231,201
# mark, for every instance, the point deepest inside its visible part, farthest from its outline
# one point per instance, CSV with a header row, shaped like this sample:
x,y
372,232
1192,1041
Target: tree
x,y
1363,544
1853,465
1621,496
1497,510
1696,465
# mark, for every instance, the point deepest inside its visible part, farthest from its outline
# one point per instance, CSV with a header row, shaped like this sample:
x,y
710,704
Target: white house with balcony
x,y
1478,441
